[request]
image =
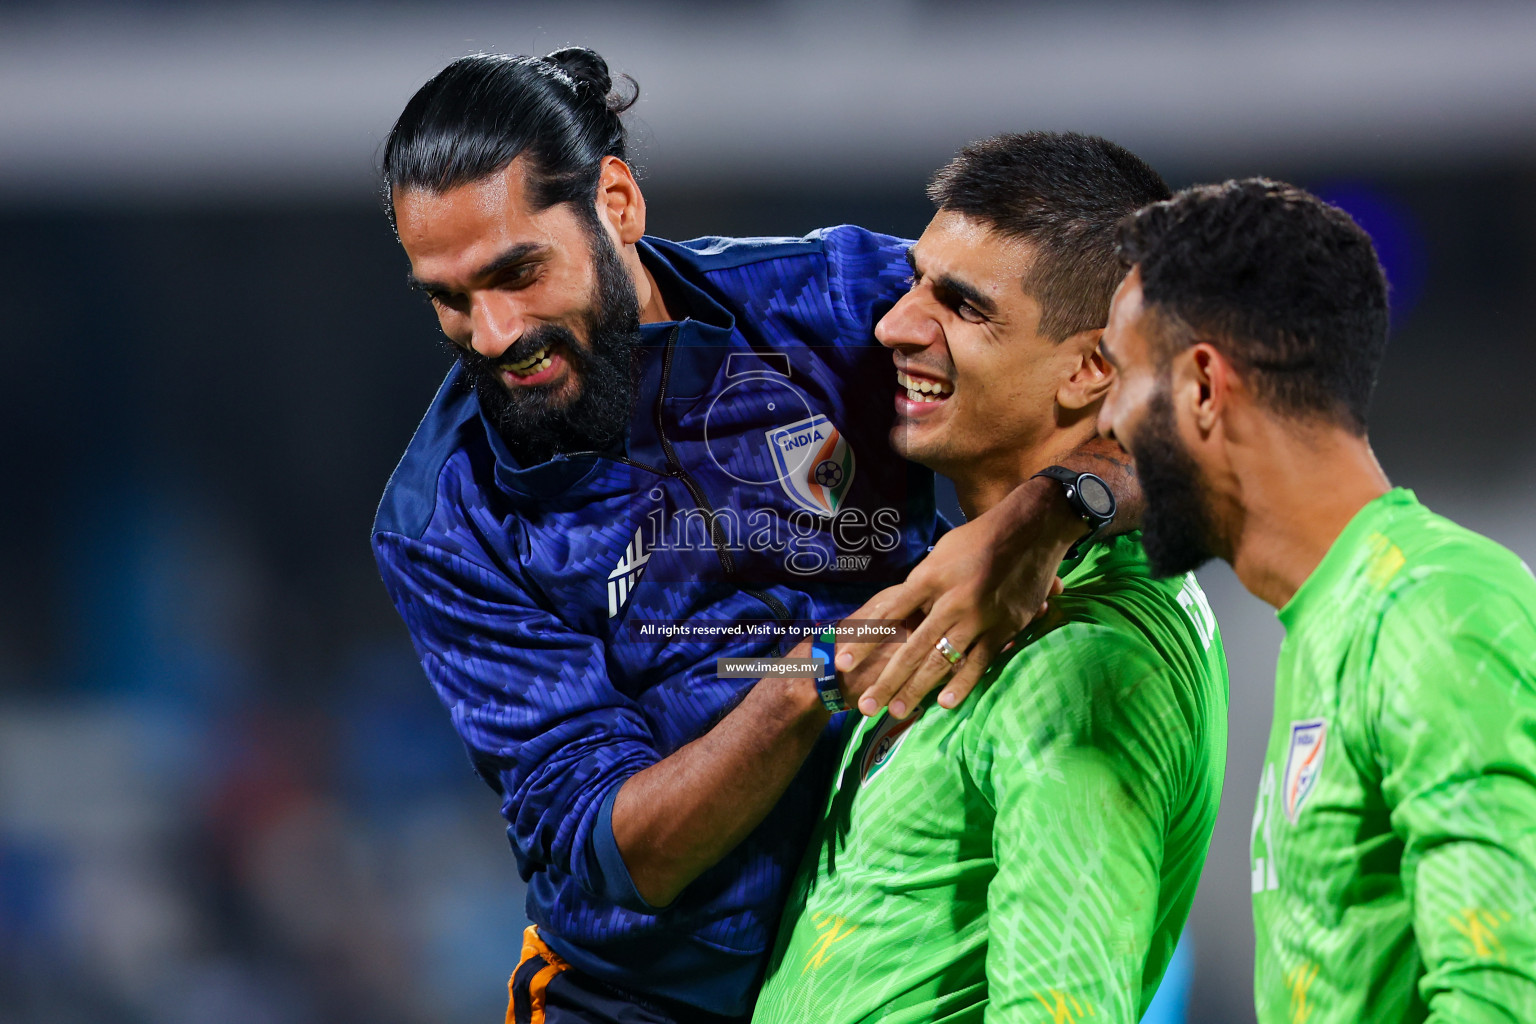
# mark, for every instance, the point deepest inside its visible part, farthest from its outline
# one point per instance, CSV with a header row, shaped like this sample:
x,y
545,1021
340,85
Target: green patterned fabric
x,y
1032,854
1394,840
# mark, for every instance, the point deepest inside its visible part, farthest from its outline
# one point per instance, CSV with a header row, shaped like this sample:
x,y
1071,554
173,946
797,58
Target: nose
x,y
906,327
496,323
1107,411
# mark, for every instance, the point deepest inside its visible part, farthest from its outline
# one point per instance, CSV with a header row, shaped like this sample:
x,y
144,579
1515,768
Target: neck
x,y
1295,491
981,485
653,308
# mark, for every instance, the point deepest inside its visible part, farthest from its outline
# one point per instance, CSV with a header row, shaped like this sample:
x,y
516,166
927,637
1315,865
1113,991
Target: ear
x,y
619,203
1206,384
1093,375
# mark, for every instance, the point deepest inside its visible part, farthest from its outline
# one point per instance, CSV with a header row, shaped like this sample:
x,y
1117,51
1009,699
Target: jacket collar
x,y
707,327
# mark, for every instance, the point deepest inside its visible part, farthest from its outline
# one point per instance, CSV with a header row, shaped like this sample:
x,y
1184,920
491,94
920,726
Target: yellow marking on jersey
x,y
1479,926
1298,980
833,929
1386,561
1057,1007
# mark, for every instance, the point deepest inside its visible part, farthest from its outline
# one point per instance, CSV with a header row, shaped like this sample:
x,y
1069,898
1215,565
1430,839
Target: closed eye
x,y
968,303
969,313
448,300
516,276
960,303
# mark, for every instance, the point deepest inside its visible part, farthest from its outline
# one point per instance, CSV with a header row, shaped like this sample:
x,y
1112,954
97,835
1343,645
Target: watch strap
x,y
824,646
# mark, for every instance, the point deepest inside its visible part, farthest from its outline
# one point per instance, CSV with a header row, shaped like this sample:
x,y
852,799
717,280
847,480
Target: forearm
x,y
680,816
1112,464
1037,509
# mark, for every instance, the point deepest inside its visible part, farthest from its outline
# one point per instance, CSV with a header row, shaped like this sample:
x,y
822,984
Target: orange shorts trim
x,y
525,989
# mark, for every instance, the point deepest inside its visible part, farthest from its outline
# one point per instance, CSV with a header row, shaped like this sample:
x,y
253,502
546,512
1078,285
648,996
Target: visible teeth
x,y
522,366
917,388
546,363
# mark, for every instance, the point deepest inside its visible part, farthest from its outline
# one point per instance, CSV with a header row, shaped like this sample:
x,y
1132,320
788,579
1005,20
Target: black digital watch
x,y
1089,497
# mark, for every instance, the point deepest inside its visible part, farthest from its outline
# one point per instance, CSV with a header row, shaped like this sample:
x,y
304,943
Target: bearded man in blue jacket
x,y
650,456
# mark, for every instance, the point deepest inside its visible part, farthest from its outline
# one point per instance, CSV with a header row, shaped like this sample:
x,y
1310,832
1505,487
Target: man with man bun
x,y
645,452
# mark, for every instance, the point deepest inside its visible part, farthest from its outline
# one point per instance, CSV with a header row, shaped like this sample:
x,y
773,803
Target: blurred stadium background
x,y
226,793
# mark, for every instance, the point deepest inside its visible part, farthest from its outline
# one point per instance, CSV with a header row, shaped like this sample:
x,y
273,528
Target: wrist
x,y
803,702
1055,521
798,698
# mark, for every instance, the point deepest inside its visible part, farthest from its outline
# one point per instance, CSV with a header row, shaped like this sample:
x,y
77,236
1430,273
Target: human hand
x,y
979,586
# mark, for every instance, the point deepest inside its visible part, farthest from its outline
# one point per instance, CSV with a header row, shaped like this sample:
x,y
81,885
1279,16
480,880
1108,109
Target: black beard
x,y
532,421
1176,528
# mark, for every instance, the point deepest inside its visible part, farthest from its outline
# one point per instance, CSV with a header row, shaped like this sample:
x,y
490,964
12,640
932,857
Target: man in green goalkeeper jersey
x,y
1394,842
1031,854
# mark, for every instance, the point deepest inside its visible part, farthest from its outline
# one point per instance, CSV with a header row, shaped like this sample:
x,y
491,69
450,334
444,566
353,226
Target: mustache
x,y
946,371
547,336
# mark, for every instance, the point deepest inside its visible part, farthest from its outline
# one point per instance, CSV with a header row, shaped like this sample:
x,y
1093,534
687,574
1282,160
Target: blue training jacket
x,y
755,482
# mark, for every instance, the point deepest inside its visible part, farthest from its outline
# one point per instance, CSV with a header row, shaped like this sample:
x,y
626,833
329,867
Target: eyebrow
x,y
510,257
957,287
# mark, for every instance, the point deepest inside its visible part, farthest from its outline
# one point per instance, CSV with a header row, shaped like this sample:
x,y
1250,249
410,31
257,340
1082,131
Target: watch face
x,y
1095,495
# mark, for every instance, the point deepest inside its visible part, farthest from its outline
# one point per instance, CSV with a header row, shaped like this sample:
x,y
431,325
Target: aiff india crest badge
x,y
814,463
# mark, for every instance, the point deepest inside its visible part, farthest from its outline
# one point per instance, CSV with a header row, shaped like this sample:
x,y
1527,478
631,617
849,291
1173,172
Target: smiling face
x,y
1178,526
537,305
976,382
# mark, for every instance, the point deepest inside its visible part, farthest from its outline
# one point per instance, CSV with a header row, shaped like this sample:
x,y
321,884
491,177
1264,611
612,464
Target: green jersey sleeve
x,y
1454,672
1084,751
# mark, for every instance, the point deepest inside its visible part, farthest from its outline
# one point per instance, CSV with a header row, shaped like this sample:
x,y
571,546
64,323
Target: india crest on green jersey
x,y
1303,762
887,737
978,862
1394,836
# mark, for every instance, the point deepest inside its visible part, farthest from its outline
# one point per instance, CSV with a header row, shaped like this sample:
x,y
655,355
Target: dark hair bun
x,y
587,67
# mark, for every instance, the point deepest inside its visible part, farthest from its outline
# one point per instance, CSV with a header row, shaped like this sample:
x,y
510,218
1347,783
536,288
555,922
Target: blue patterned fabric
x,y
526,589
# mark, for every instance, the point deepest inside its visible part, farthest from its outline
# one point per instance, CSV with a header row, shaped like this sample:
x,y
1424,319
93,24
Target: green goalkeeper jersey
x,y
1030,855
1394,841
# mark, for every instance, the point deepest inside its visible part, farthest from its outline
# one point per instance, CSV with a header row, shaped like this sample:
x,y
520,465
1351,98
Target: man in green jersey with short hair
x,y
1030,855
1394,842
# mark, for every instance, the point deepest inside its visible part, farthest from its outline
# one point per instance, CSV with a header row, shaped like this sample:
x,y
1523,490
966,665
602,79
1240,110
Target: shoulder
x,y
835,282
410,496
1082,700
1455,621
1074,675
1448,679
717,253
1166,619
1119,652
1437,578
712,253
